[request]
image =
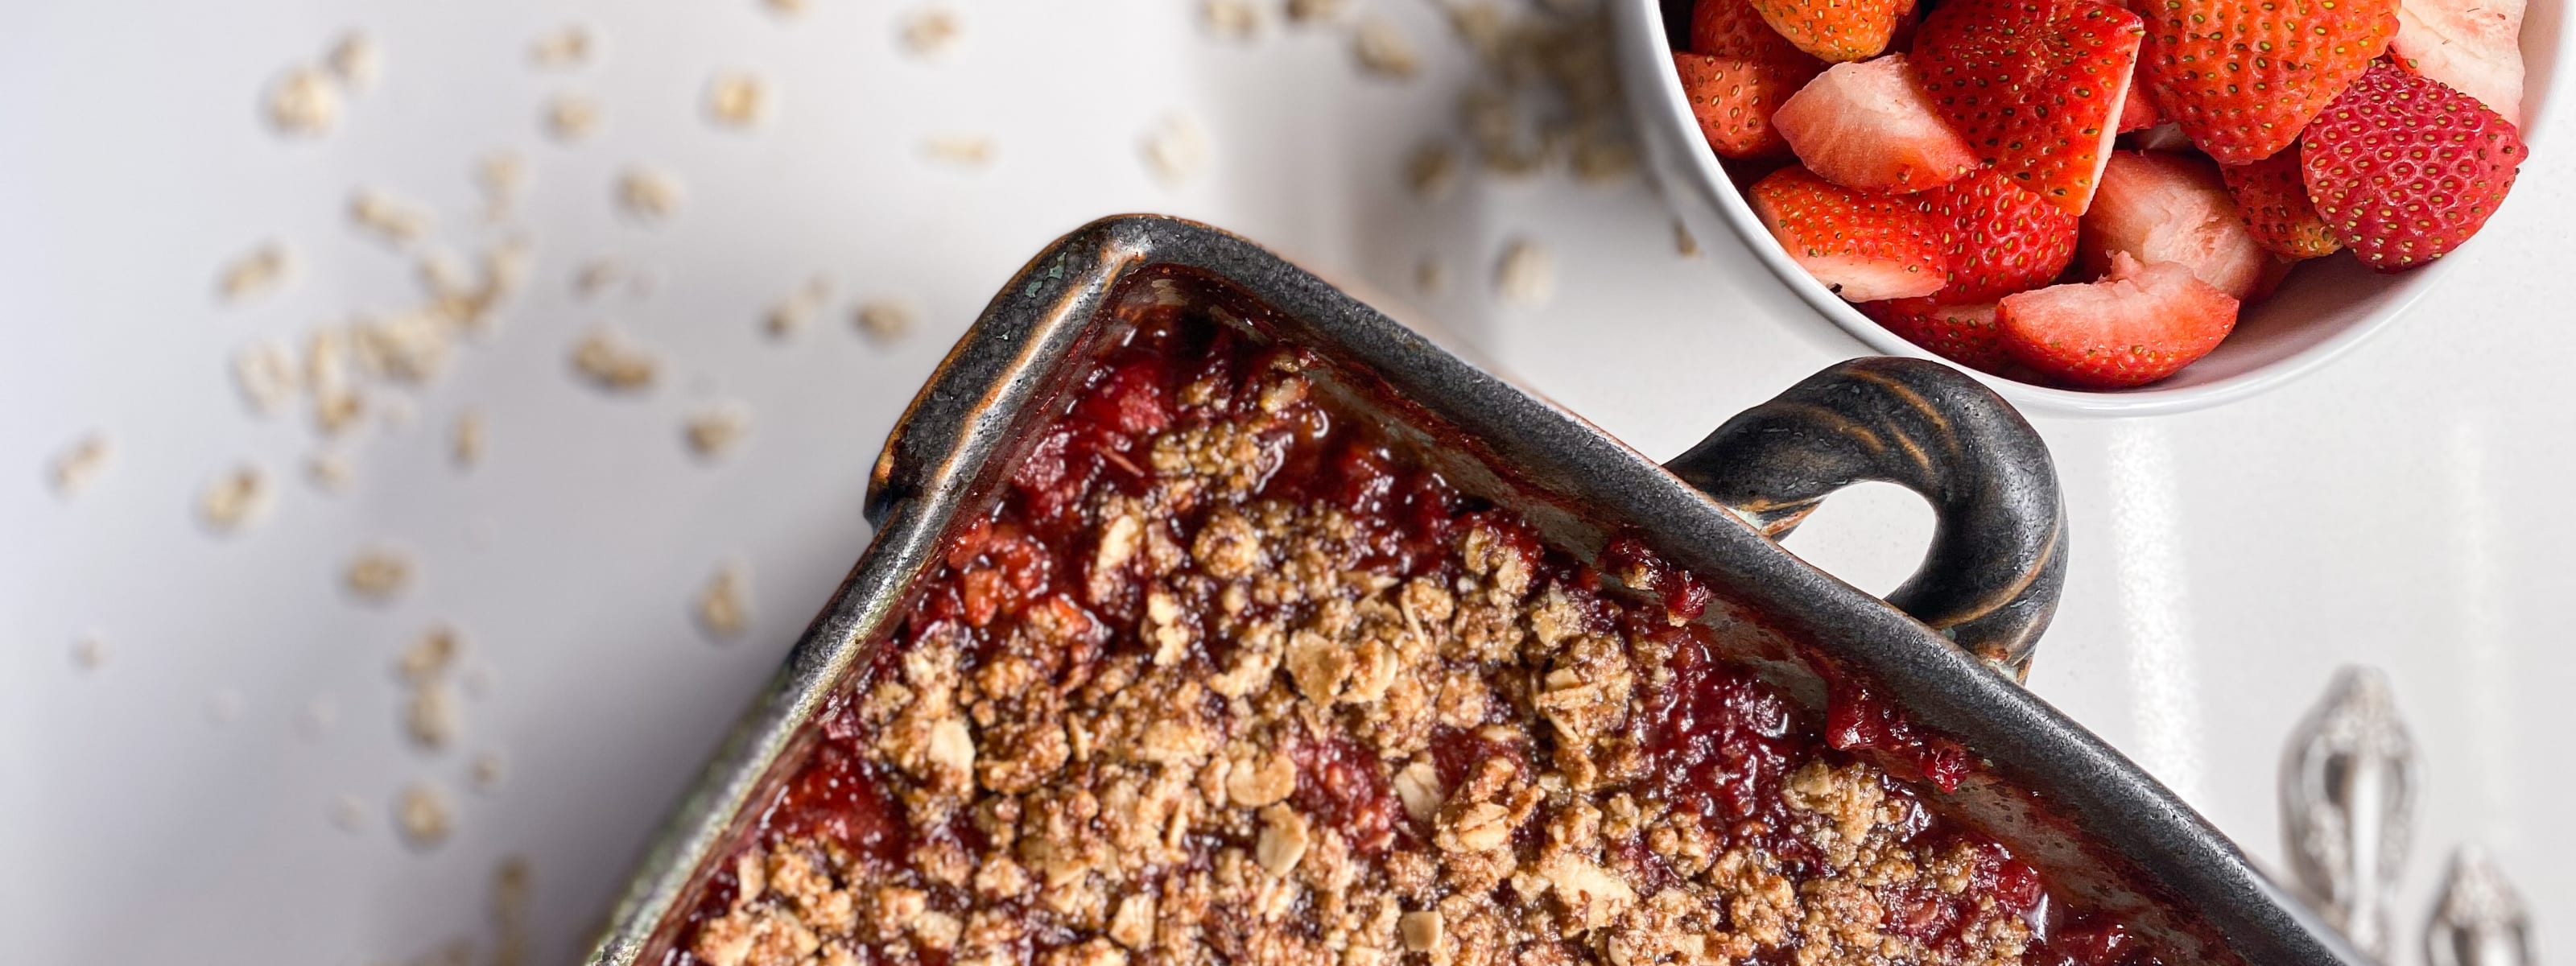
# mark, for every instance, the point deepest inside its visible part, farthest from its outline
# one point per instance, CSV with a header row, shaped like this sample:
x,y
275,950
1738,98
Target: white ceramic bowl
x,y
2323,310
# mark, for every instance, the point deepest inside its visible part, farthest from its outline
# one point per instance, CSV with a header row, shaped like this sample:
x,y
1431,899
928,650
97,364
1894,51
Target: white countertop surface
x,y
182,799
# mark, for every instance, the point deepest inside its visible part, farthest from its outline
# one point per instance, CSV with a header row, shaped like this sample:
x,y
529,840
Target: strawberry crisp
x,y
1227,677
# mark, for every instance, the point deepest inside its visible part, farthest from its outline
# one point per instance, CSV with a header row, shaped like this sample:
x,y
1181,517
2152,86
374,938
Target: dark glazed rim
x,y
964,417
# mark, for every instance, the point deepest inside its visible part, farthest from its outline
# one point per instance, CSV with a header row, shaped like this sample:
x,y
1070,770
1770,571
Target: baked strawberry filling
x,y
1228,676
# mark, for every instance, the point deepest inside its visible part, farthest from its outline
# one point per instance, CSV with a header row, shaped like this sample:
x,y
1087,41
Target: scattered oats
x,y
1432,172
431,718
355,61
465,443
264,371
513,896
1602,157
959,150
788,8
1176,150
337,405
1526,275
715,430
1384,50
488,771
501,175
411,347
1431,275
1316,11
723,610
930,31
430,657
649,196
318,717
792,313
349,813
566,46
235,499
887,321
611,363
255,275
1495,126
77,466
379,573
89,652
737,100
571,117
1482,25
397,223
421,812
303,103
223,707
1683,243
467,301
1232,19
328,472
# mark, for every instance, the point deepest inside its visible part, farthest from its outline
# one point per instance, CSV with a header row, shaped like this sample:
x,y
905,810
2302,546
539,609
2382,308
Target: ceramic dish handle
x,y
1998,558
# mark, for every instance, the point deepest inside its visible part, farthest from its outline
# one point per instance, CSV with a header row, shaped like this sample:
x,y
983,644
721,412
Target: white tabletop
x,y
219,785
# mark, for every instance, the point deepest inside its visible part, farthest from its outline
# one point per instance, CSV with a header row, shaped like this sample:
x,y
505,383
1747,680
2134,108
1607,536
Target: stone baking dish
x,y
1947,648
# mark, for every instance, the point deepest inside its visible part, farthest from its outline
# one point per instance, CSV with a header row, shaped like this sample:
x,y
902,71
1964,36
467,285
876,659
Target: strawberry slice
x,y
1735,97
2002,239
2472,46
1866,246
2034,85
1868,125
1732,28
2134,327
2274,199
2242,78
2404,169
1965,334
2157,208
1836,30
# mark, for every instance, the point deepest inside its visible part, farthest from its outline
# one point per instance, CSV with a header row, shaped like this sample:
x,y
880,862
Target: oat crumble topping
x,y
1224,679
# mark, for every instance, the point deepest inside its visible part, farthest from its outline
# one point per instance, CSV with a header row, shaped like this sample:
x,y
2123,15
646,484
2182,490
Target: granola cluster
x,y
1249,691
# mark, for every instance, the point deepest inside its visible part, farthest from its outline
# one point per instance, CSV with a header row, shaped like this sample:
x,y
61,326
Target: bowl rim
x,y
1661,108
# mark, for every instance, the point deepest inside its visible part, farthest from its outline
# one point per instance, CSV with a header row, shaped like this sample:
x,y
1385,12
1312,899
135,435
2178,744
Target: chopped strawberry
x,y
1836,30
2242,78
1734,99
2134,327
2473,46
2274,200
2003,239
2034,85
1866,246
1732,28
2164,135
1868,125
2405,169
1965,334
2171,208
2137,110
